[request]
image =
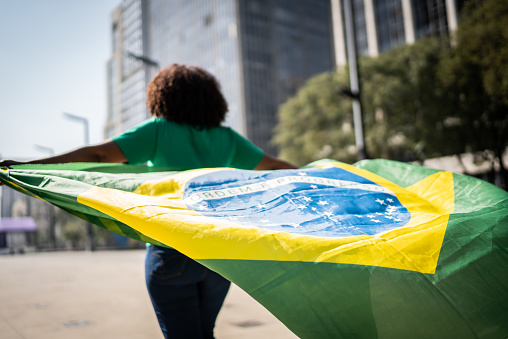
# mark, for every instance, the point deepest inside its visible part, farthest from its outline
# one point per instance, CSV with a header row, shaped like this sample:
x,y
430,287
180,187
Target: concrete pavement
x,y
102,294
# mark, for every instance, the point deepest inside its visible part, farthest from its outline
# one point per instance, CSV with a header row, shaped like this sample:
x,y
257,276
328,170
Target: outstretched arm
x,y
271,163
107,151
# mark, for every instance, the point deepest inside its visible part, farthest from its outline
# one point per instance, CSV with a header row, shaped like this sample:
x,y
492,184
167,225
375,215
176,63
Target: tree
x,y
475,74
317,123
404,103
401,100
420,101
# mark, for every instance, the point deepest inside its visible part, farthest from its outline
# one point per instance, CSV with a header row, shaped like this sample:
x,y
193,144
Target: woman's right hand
x,y
7,163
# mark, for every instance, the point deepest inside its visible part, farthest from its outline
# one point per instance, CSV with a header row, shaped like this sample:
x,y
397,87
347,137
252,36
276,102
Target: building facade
x,y
381,25
261,51
126,76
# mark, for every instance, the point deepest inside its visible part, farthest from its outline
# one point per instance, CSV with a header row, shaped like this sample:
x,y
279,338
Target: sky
x,y
53,56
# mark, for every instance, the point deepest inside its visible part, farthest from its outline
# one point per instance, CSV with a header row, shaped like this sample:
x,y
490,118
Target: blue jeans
x,y
186,296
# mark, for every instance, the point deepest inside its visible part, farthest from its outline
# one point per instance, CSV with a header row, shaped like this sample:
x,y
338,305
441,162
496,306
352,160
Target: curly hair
x,y
187,94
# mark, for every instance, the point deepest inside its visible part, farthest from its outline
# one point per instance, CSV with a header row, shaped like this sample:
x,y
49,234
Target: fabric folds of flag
x,y
378,249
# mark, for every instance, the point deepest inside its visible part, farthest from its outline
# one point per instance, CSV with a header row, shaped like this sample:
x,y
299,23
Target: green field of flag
x,y
378,249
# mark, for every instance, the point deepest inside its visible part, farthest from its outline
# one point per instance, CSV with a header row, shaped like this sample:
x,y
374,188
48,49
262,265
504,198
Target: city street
x,y
102,295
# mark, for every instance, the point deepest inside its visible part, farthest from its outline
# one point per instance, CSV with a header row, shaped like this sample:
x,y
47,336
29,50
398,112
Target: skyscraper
x,y
381,25
261,51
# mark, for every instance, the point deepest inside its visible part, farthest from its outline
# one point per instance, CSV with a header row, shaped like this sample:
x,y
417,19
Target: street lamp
x,y
89,243
51,208
145,60
82,120
48,150
354,91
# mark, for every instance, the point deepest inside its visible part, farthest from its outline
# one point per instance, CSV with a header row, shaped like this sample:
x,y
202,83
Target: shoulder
x,y
163,125
148,124
226,131
215,132
158,121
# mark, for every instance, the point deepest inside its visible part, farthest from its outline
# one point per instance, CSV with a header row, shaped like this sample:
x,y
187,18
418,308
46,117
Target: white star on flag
x,y
322,202
302,173
390,200
313,186
382,202
301,206
375,220
307,199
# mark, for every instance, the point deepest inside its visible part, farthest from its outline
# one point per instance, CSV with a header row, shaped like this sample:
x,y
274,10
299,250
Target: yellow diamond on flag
x,y
159,210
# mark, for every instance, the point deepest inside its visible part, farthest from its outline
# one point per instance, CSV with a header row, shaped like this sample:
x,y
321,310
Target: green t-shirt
x,y
163,143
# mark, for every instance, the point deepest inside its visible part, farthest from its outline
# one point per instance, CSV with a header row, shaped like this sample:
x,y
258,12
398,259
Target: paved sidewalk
x,y
102,295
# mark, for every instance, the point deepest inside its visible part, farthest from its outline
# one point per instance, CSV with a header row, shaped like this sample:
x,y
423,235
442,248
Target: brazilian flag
x,y
378,249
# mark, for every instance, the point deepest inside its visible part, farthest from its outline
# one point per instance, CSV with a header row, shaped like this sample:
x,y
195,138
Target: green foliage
x,y
475,74
317,123
418,101
73,228
400,107
74,231
482,41
403,103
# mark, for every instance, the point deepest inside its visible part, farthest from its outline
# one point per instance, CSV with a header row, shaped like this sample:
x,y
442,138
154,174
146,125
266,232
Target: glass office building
x,y
360,25
429,18
261,51
381,25
282,44
389,24
127,76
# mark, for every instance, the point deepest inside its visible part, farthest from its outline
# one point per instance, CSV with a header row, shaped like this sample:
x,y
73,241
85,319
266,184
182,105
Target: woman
x,y
184,133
